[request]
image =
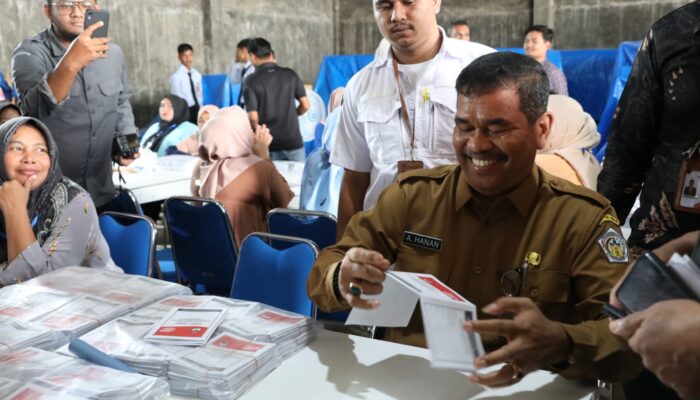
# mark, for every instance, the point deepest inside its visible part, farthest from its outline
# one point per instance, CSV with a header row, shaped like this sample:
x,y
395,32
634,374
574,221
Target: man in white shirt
x,y
186,82
373,138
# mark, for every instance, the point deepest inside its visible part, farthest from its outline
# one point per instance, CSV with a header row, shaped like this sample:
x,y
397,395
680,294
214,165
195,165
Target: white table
x,y
157,179
339,366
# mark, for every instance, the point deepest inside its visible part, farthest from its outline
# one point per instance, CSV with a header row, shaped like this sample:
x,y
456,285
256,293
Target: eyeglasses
x,y
512,281
66,7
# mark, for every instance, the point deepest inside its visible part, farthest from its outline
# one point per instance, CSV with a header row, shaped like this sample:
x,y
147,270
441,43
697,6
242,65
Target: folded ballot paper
x,y
250,341
186,326
37,374
443,310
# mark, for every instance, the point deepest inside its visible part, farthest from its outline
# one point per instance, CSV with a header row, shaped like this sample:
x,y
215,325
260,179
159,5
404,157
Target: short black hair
x,y
183,47
547,32
503,70
460,22
260,48
243,44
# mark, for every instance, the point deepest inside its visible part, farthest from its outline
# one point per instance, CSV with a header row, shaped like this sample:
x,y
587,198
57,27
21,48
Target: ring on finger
x,y
355,289
517,372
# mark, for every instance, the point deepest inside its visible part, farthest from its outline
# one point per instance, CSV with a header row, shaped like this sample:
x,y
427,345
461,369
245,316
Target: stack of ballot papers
x,y
133,291
37,374
16,335
289,331
223,368
75,300
73,314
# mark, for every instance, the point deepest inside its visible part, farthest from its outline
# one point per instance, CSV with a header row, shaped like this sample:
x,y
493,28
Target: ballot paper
x,y
44,375
687,270
186,326
251,341
443,311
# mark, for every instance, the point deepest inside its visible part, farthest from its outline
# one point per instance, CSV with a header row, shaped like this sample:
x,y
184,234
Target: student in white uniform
x,y
375,140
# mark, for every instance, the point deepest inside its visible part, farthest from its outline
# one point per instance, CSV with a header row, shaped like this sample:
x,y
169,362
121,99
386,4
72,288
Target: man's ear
x,y
437,5
543,128
47,11
548,44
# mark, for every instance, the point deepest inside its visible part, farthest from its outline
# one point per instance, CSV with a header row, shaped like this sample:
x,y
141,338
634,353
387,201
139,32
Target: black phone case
x,y
93,16
650,281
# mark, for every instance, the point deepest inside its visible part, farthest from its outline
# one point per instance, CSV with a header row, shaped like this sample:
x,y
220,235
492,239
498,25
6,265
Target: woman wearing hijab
x,y
191,144
172,126
248,185
567,153
46,221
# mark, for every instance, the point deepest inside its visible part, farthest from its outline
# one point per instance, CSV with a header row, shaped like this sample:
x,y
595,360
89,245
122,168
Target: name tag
x,y
426,242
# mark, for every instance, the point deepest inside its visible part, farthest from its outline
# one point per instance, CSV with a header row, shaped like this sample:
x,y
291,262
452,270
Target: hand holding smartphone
x,y
94,16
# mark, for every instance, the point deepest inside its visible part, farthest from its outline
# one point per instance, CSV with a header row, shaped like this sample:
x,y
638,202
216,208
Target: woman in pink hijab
x,y
191,144
247,184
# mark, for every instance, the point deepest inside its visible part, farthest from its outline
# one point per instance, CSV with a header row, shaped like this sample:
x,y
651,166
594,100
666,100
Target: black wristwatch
x,y
336,284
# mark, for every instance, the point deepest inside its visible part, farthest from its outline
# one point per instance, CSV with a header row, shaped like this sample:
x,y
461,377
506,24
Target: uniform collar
x,y
448,47
266,65
522,197
57,48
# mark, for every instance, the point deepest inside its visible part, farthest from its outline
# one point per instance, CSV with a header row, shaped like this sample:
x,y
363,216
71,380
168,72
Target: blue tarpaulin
x,y
625,55
589,74
587,71
336,71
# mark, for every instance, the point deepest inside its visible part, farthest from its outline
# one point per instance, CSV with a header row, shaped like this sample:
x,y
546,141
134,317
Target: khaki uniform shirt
x,y
573,229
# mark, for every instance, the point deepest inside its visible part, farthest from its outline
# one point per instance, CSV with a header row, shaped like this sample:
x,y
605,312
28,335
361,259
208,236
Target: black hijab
x,y
181,113
46,201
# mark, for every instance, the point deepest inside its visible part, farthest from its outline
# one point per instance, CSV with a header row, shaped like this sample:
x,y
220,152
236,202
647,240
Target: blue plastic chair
x,y
316,226
203,246
125,202
131,239
275,277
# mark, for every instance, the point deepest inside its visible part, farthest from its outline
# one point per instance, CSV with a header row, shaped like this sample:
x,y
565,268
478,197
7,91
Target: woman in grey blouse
x,y
46,220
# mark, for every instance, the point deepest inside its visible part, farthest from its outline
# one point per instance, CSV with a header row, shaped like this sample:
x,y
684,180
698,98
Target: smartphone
x,y
648,282
94,16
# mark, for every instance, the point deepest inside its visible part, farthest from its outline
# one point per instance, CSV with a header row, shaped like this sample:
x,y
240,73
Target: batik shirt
x,y
656,121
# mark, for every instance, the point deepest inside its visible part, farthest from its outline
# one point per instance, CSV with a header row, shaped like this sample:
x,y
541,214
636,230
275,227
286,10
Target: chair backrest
x,y
316,226
203,246
125,202
131,239
275,277
216,90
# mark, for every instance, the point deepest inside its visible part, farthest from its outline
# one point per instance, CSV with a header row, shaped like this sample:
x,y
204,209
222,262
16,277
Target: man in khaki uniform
x,y
473,224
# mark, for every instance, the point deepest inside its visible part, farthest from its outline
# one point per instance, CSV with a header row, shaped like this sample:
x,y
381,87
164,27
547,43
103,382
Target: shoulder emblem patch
x,y
614,246
611,219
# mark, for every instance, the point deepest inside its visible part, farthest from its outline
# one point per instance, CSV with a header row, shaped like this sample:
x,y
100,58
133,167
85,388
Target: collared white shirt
x,y
371,135
180,85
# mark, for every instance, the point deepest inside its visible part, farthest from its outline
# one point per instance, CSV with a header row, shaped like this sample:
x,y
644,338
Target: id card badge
x,y
407,165
687,191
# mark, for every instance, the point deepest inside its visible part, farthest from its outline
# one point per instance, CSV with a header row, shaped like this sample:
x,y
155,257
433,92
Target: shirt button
x,y
534,293
477,270
555,182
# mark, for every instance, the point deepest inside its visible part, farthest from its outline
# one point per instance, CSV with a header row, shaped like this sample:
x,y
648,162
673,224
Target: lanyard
x,y
404,110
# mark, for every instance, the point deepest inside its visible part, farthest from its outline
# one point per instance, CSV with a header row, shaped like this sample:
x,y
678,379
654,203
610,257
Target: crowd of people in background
x,y
491,137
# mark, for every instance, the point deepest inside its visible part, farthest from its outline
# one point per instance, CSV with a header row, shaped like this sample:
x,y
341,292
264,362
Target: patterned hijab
x,y
46,201
226,149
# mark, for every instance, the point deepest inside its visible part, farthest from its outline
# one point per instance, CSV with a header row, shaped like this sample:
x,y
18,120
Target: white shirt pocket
x,y
384,131
444,103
